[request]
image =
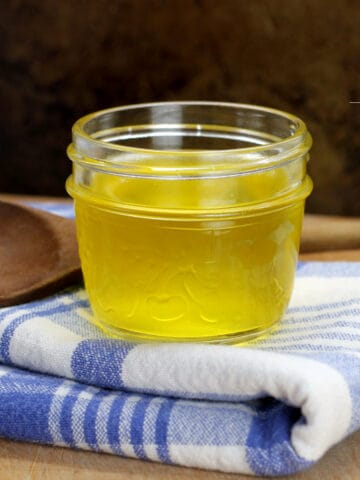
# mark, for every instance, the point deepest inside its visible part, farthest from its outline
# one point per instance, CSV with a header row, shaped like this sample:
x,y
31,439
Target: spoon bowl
x,y
38,254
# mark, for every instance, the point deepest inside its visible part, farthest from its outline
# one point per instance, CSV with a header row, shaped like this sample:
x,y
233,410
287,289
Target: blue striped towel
x,y
271,408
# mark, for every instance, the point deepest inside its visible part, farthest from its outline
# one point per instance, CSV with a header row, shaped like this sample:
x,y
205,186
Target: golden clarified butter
x,y
189,258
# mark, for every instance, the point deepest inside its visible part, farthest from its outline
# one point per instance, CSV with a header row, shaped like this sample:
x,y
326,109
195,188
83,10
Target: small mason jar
x,y
189,217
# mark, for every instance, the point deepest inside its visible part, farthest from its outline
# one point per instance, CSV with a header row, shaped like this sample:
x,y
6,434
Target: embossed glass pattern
x,y
189,217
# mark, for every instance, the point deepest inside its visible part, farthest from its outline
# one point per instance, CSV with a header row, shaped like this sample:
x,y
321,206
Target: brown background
x,y
62,59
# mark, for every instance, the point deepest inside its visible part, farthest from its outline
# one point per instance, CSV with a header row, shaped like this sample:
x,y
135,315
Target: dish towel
x,y
273,407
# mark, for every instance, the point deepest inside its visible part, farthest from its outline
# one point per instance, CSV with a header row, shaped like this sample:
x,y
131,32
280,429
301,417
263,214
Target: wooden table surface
x,y
324,238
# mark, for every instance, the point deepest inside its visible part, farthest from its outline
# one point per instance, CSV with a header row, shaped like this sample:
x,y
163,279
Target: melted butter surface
x,y
175,278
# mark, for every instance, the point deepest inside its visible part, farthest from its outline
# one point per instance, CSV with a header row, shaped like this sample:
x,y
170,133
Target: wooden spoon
x,y
323,233
38,254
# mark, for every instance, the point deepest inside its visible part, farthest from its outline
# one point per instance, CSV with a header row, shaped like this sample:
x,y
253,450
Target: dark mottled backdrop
x,y
62,59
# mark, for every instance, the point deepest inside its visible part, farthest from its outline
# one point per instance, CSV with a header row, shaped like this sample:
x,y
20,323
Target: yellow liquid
x,y
175,278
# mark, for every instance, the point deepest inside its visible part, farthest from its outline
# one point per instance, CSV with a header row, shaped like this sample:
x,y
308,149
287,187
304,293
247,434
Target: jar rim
x,y
100,154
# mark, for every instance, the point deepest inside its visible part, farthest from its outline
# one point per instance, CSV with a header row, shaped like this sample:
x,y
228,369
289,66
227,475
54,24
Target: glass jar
x,y
188,217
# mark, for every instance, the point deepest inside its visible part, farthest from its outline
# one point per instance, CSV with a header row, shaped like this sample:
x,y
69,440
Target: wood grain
x,y
325,232
352,255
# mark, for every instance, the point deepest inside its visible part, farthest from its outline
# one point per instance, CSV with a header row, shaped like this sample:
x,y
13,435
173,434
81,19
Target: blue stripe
x,y
113,424
10,329
64,210
4,312
268,445
49,306
137,427
24,415
100,362
67,406
337,335
161,429
324,316
323,306
335,327
90,420
307,349
328,269
43,305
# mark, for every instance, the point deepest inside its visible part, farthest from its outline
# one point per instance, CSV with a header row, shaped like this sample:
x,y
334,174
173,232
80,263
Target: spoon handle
x,y
326,232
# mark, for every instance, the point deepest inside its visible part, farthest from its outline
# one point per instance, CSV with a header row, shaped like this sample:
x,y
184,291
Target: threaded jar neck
x,y
189,157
